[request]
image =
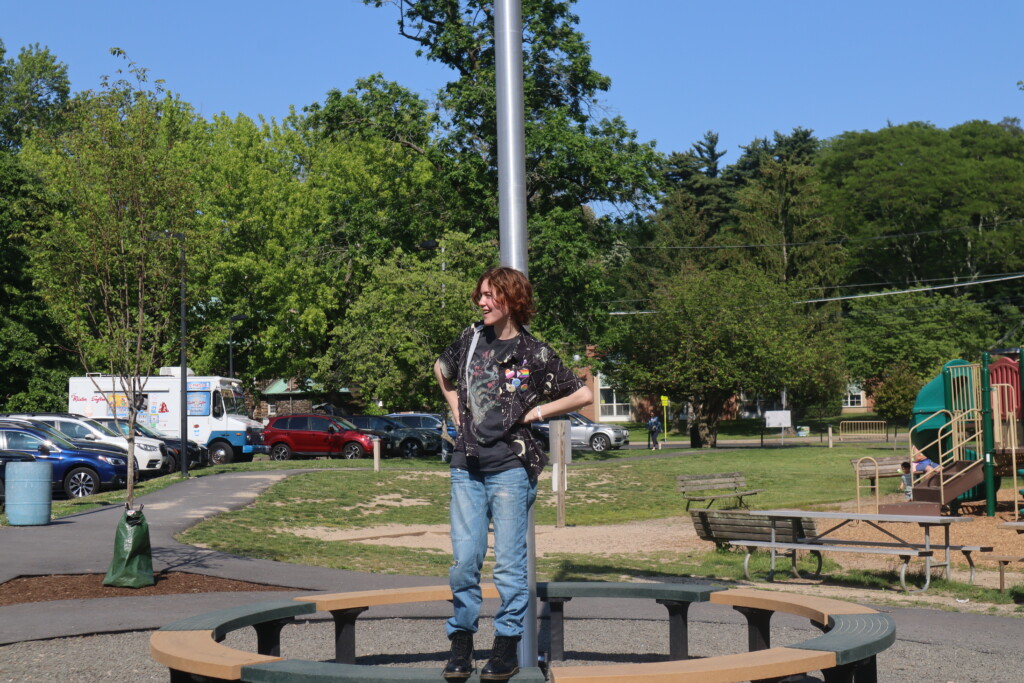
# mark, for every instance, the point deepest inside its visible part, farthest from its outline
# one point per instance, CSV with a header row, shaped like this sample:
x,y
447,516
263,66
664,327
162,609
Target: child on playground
x,y
921,462
906,481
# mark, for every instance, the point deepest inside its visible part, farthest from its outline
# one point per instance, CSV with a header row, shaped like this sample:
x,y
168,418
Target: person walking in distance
x,y
653,430
497,378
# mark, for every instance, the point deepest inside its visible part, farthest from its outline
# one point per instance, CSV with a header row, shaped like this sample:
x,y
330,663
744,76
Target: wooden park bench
x,y
728,484
722,527
888,466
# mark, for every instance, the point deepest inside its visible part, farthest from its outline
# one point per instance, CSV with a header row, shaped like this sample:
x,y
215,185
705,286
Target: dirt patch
x,y
671,534
90,586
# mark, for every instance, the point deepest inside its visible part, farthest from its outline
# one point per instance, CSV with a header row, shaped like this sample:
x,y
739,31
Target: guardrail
x,y
863,429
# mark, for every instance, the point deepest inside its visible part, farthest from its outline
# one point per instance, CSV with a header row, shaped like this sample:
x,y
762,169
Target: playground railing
x,y
863,429
953,439
1005,406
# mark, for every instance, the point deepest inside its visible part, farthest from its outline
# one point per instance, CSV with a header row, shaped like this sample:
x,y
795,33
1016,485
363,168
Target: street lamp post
x,y
183,453
231,342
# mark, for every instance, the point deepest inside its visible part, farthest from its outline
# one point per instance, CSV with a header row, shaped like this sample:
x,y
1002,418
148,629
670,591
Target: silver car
x,y
586,434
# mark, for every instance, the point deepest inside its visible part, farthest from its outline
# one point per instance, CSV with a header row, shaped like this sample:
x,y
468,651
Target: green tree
x,y
918,331
920,203
573,159
115,178
713,334
34,90
411,308
895,395
782,210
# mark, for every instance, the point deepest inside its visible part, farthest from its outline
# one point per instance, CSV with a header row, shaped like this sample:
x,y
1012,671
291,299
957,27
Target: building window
x,y
612,404
854,397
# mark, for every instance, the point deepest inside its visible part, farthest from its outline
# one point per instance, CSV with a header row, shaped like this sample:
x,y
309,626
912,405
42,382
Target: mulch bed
x,y
90,586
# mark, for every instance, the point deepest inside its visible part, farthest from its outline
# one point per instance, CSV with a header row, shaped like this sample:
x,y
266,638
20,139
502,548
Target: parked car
x,y
6,457
402,440
586,434
312,435
149,453
433,422
199,456
77,472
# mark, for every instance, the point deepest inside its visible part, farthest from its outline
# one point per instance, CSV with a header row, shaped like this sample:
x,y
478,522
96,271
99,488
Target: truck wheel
x,y
280,451
599,443
352,450
81,482
221,453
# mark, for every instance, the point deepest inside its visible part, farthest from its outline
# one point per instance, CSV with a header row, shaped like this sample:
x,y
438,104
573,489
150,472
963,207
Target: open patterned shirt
x,y
532,373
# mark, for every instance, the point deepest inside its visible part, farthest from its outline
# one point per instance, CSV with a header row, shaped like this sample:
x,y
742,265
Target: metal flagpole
x,y
508,47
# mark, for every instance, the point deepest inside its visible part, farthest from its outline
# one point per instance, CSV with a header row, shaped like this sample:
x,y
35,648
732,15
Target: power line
x,y
911,291
870,294
867,284
839,240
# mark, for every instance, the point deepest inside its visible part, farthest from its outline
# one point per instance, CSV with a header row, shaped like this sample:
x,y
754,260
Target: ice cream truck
x,y
216,413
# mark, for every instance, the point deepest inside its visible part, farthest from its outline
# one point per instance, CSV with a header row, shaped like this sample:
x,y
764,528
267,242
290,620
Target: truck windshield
x,y
234,401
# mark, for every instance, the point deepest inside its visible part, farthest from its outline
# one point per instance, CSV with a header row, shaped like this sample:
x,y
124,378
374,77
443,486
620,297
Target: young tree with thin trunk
x,y
113,180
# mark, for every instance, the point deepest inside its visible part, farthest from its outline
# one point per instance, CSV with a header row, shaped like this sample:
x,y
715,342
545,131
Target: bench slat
x,y
889,544
902,552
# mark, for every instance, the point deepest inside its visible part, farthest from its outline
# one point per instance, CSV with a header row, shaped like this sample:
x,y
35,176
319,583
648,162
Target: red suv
x,y
312,435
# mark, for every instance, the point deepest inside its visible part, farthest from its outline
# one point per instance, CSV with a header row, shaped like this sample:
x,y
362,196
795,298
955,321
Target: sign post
x,y
780,419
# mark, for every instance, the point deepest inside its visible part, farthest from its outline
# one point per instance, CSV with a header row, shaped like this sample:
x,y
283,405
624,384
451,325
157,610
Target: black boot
x,y
504,661
460,663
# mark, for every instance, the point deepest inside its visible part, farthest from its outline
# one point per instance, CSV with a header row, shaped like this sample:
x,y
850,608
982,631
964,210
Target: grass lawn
x,y
604,489
608,492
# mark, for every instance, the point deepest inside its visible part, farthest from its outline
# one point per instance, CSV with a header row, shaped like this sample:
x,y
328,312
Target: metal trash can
x,y
29,493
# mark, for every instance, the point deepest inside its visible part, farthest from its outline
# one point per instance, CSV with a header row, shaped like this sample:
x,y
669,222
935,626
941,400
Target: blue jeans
x,y
504,498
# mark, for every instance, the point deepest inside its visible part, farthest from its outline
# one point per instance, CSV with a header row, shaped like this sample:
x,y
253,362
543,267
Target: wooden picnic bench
x,y
905,550
729,484
1004,560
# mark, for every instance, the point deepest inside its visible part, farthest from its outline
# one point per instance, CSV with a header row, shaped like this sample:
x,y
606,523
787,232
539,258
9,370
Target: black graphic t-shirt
x,y
486,382
529,373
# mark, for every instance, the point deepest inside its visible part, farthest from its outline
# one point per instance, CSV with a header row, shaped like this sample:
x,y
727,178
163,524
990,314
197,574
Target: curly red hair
x,y
512,290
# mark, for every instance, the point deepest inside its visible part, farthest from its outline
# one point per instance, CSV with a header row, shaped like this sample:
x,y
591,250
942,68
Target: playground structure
x,y
965,420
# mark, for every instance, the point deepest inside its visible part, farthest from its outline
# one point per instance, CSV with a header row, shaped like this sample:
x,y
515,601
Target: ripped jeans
x,y
504,498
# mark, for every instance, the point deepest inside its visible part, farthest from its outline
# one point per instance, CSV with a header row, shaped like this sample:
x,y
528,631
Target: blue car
x,y
76,471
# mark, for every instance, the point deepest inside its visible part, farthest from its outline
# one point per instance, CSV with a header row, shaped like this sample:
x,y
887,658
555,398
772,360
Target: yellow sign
x,y
664,400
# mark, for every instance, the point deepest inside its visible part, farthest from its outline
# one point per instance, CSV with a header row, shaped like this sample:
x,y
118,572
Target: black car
x,y
402,440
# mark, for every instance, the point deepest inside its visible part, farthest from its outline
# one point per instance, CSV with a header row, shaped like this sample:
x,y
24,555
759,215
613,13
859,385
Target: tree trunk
x,y
707,412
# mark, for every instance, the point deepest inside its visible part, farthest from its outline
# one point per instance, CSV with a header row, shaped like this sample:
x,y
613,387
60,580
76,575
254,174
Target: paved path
x,y
82,543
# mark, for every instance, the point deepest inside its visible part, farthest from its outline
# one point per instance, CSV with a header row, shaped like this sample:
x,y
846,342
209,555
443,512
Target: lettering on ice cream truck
x,y
216,410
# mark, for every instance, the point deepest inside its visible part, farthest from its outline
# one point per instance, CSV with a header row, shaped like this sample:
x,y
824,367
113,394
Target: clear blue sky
x,y
743,68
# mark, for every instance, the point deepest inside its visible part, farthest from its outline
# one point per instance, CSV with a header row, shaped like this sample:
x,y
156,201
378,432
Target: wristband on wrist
x,y
540,417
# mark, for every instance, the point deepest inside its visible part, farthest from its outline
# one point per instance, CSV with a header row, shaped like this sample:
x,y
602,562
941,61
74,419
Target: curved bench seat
x,y
814,608
774,663
196,652
855,634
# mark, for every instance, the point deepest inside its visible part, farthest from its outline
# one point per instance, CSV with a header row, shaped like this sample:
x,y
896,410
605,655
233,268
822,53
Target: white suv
x,y
149,453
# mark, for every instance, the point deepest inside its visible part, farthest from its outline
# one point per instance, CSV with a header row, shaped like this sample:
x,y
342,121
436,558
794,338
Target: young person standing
x,y
497,378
